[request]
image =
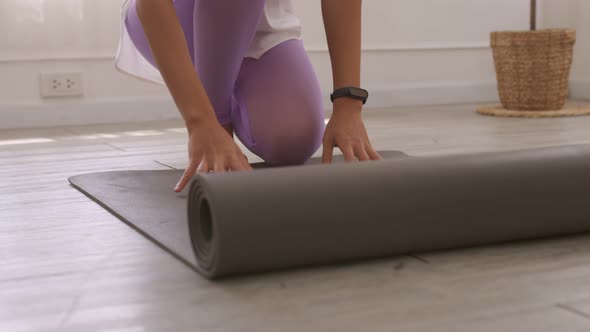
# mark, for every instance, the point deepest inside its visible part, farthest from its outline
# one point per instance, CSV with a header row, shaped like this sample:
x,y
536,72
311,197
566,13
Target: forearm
x,y
172,56
342,22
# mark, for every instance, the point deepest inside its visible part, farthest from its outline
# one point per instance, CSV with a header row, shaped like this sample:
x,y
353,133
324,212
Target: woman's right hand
x,y
210,148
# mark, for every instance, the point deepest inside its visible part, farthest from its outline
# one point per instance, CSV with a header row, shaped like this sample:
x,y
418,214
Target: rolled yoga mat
x,y
272,219
145,201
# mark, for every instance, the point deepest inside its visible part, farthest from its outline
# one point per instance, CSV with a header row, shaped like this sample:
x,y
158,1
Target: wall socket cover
x,y
61,84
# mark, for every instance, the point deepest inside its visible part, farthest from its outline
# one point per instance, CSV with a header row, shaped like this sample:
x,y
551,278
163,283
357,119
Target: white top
x,y
278,24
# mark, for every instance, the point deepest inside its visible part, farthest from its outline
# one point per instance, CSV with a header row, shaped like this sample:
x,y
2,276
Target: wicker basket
x,y
533,67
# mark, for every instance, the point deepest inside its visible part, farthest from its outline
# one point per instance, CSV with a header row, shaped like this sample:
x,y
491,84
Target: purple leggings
x,y
274,103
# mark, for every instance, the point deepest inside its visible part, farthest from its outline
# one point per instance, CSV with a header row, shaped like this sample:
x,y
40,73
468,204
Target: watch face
x,y
360,93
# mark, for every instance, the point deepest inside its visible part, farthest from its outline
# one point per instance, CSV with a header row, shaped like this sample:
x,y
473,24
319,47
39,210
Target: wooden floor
x,y
68,265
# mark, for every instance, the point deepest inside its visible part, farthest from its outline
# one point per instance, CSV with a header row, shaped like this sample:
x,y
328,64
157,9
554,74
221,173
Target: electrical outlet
x,y
61,85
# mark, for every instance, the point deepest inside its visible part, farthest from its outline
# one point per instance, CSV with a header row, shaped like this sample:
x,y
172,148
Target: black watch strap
x,y
350,92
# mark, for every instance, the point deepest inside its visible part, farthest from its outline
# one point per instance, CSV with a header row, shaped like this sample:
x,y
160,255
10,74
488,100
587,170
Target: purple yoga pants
x,y
274,103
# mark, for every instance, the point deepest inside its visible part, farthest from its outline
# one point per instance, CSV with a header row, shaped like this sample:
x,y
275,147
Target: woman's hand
x,y
342,22
346,130
210,148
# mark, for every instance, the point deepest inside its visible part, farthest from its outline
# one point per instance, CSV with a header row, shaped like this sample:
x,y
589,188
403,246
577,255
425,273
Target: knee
x,y
292,142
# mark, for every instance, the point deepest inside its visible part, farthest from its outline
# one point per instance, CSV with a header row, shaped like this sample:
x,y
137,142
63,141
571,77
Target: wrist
x,y
347,105
193,121
350,92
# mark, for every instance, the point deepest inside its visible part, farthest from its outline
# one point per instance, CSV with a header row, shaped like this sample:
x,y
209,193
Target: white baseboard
x,y
580,89
162,108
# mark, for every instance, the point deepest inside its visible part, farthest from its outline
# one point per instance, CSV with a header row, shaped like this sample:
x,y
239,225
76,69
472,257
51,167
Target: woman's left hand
x,y
347,131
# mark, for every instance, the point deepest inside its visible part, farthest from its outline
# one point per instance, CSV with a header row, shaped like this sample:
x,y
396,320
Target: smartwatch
x,y
351,92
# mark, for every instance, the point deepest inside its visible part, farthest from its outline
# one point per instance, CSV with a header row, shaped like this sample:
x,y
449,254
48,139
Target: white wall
x,y
573,14
423,51
579,17
68,36
414,52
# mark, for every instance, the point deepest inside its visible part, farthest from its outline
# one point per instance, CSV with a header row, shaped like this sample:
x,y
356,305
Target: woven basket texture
x,y
533,67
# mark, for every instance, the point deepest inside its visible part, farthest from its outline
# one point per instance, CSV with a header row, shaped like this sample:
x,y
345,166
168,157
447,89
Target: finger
x,y
203,167
361,154
327,153
186,176
372,153
234,164
246,164
210,163
238,164
219,166
348,153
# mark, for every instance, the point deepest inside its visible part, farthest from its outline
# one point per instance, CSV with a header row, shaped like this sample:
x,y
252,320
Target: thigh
x,y
218,34
223,33
279,103
184,12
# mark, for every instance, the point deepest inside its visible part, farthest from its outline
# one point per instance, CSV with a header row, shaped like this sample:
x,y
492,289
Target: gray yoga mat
x,y
277,218
145,201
